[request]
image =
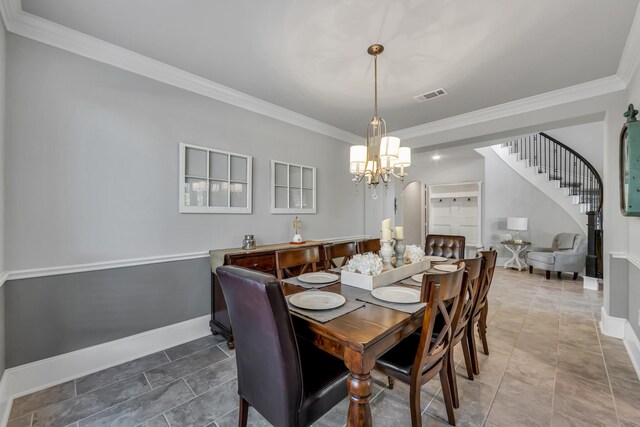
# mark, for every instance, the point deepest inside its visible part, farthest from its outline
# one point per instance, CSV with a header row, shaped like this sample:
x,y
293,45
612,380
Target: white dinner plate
x,y
417,277
318,277
434,258
397,294
446,267
317,300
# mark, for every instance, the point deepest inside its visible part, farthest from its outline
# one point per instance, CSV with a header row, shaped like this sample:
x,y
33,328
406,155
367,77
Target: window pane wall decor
x,y
214,181
293,188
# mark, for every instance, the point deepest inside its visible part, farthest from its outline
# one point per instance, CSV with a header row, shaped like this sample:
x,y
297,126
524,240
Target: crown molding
x,y
631,54
33,27
554,98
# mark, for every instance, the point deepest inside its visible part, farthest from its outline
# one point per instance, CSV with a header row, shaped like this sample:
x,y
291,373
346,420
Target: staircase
x,y
570,180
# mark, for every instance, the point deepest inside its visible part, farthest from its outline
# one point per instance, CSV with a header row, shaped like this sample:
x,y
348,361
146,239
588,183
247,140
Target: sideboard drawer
x,y
259,263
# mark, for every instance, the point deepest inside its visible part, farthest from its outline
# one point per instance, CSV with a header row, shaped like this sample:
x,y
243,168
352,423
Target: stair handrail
x,y
586,163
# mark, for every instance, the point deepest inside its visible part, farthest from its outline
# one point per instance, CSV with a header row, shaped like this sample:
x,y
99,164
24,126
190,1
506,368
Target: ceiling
x,y
310,56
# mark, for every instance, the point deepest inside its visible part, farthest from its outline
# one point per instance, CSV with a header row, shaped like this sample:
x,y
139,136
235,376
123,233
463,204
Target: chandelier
x,y
382,157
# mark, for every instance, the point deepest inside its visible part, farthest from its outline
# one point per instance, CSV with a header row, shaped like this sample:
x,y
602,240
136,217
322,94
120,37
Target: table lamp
x,y
517,225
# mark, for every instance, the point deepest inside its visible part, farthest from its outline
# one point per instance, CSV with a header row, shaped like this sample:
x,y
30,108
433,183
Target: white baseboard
x,y
590,283
632,343
25,379
611,326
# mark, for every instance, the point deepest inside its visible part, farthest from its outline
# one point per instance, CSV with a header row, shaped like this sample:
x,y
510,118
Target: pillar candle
x,y
386,224
386,234
399,232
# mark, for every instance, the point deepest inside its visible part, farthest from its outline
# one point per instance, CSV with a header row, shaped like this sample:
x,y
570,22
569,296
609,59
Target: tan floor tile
x,y
619,364
627,398
492,367
584,400
475,401
509,410
583,363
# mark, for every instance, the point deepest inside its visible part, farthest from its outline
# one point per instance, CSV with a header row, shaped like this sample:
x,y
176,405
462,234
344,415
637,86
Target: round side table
x,y
516,249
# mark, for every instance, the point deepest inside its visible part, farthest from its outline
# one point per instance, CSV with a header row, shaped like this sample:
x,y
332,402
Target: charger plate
x,y
317,300
397,294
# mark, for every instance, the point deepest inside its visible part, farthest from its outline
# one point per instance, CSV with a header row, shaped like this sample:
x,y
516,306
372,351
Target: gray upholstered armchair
x,y
568,252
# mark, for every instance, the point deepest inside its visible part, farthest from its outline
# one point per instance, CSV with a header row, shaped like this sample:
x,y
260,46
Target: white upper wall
x,y
587,139
92,158
3,181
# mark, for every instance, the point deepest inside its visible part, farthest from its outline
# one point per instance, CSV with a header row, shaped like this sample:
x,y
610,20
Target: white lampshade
x,y
389,147
404,157
358,154
518,224
356,167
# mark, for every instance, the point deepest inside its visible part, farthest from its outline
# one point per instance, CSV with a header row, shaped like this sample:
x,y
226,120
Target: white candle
x,y
399,232
386,224
386,234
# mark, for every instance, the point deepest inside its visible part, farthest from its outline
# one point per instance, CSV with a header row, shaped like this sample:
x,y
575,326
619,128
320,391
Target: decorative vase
x,y
248,242
399,248
386,252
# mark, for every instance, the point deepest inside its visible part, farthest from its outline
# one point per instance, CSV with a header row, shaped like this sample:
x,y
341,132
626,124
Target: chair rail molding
x,y
42,30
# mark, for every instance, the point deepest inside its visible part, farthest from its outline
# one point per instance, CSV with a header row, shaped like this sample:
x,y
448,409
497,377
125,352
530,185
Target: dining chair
x,y
344,250
369,245
481,309
445,245
287,380
299,259
468,295
420,357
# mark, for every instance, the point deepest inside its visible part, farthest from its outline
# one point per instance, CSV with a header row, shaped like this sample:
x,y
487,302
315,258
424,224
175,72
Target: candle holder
x,y
399,249
386,252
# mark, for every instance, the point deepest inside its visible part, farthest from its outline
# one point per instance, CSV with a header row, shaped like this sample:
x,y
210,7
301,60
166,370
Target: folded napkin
x,y
405,308
324,316
297,282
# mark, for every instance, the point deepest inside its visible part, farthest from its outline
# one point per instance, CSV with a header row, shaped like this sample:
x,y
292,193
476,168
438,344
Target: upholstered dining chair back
x,y
344,250
304,258
267,357
370,245
445,245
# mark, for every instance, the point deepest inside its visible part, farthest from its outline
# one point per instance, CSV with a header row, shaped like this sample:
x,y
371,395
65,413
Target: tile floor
x,y
549,366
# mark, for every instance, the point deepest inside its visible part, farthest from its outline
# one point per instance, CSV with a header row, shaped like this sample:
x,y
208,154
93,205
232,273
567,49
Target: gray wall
x,y
53,315
93,153
587,139
506,194
92,162
3,62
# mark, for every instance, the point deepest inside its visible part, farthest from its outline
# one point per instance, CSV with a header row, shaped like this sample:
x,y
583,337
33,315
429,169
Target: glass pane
x,y
196,162
294,198
195,192
307,178
218,166
294,176
218,193
238,194
281,197
281,174
307,199
238,169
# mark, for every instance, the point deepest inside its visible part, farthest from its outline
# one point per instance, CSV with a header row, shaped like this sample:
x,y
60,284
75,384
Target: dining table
x,y
358,338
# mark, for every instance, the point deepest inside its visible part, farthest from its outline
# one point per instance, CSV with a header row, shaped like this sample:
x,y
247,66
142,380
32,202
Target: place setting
x,y
321,306
314,280
401,298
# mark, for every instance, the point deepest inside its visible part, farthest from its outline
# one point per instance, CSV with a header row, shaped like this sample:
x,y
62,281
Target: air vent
x,y
431,95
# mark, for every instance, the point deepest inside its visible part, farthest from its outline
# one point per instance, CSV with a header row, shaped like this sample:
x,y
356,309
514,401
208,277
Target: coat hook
x,y
468,199
440,200
454,200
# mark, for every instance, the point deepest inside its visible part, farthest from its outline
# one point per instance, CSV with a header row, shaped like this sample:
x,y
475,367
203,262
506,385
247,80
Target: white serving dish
x,y
385,278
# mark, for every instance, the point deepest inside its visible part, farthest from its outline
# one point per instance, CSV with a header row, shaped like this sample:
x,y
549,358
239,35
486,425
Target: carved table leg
x,y
359,386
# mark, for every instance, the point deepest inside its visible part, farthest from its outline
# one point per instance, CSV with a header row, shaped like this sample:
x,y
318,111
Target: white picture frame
x,y
293,188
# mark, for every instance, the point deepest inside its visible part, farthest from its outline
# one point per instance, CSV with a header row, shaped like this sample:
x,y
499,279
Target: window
x,y
293,188
214,181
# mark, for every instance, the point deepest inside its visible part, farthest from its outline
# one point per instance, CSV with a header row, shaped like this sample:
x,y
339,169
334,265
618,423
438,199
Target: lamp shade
x,y
389,146
404,157
358,154
518,224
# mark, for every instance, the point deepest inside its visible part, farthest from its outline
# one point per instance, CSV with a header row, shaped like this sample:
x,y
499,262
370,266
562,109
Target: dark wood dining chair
x,y
344,250
293,262
369,245
468,294
420,357
481,309
445,245
288,381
